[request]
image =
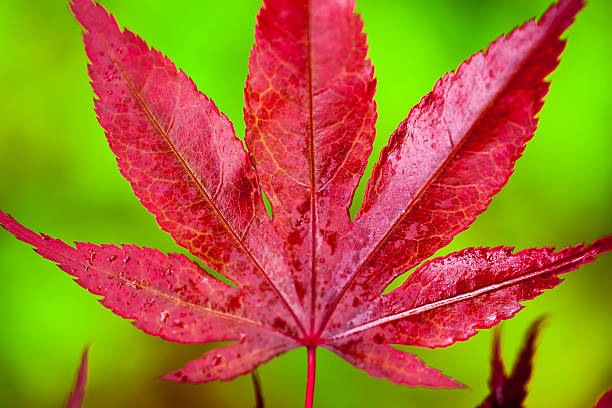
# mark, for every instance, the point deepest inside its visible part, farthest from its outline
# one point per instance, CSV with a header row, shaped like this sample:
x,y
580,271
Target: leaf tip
x,y
77,395
174,376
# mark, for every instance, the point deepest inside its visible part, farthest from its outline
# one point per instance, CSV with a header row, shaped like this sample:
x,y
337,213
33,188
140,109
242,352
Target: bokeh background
x,y
58,175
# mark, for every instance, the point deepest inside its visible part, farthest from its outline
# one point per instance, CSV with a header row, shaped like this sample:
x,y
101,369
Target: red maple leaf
x,y
310,276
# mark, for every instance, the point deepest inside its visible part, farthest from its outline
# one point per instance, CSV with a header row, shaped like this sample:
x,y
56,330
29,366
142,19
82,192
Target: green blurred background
x,y
58,175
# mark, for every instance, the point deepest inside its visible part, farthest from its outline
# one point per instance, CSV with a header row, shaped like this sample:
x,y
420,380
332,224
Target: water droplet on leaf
x,y
164,317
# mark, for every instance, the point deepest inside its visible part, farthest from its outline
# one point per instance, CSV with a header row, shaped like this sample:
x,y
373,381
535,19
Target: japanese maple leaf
x,y
310,276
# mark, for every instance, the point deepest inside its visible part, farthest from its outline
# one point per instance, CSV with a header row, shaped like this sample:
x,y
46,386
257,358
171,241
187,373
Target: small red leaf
x,y
498,372
77,396
523,367
510,391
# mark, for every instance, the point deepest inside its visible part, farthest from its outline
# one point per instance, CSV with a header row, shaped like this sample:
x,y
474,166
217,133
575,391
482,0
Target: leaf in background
x,y
509,391
605,401
76,397
311,276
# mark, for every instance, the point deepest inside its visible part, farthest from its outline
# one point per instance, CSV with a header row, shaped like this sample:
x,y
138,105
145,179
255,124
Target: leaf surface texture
x,y
309,276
